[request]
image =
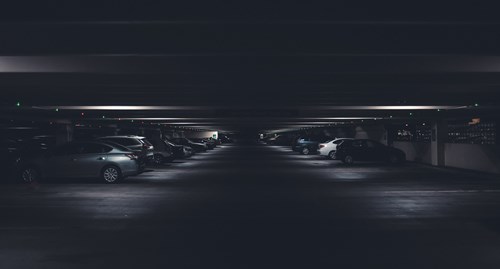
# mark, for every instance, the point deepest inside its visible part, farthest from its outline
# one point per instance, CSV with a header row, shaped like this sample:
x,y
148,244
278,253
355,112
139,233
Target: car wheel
x,y
331,155
348,159
111,174
305,151
158,159
30,175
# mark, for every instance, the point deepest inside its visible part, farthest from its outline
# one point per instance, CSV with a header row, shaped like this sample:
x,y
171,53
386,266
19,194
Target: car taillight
x,y
132,156
322,145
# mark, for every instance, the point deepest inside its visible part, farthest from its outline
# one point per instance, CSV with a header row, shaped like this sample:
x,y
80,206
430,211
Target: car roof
x,y
123,136
109,144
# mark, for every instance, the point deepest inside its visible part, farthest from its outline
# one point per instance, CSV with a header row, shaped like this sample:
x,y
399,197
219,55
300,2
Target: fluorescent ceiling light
x,y
397,107
112,107
389,107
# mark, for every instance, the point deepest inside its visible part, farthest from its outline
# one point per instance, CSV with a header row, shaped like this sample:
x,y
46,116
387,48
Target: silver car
x,y
135,143
111,163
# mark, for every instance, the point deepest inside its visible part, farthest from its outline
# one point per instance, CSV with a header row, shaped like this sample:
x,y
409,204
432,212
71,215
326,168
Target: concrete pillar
x,y
155,136
438,139
64,133
389,139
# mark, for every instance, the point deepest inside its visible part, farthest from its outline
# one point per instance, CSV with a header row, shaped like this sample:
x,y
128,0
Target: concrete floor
x,y
257,206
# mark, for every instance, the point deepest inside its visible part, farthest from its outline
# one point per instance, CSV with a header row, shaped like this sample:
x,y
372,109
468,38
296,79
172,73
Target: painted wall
x,y
484,158
415,151
201,134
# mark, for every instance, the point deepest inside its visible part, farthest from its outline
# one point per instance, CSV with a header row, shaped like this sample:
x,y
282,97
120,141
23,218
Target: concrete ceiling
x,y
242,66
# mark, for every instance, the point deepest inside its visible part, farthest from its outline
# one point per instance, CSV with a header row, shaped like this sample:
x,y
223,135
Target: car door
x,y
358,150
90,159
61,162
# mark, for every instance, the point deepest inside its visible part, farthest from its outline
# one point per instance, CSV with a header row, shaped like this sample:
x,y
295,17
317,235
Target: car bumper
x,y
324,151
131,169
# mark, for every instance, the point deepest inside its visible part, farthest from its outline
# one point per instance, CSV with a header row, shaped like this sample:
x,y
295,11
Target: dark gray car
x,y
111,163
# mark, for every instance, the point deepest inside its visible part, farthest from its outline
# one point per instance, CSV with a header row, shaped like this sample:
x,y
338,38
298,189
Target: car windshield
x,y
170,143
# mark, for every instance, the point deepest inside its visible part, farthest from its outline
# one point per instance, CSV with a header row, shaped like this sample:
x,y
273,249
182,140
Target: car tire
x,y
305,151
158,159
30,175
111,174
331,155
348,159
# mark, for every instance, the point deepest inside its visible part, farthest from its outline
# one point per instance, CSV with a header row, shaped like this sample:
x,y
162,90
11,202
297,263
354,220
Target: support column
x,y
438,139
64,133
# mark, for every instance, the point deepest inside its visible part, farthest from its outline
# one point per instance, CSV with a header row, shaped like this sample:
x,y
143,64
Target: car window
x,y
93,148
358,144
67,149
145,142
125,141
117,146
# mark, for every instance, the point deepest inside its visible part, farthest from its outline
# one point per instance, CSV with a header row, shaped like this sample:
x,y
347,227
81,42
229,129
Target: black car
x,y
209,142
280,140
162,152
350,151
179,151
224,139
197,147
9,158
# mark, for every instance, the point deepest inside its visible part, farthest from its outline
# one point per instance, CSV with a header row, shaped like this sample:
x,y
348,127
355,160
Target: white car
x,y
329,148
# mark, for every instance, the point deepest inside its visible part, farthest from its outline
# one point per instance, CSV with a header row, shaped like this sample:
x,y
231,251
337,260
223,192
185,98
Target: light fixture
x,y
134,107
113,107
416,107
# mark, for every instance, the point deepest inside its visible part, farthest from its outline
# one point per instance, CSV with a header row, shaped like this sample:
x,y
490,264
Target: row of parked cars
x,y
348,150
110,158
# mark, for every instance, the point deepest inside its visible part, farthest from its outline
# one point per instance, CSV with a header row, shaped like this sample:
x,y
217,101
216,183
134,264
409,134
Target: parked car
x,y
208,142
138,144
307,145
162,152
329,148
350,151
111,163
14,151
9,158
225,139
141,159
180,151
280,140
197,147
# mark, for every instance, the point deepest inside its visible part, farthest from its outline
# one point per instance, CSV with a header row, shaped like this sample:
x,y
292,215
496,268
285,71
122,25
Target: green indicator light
x,y
57,109
18,104
476,104
411,114
103,117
